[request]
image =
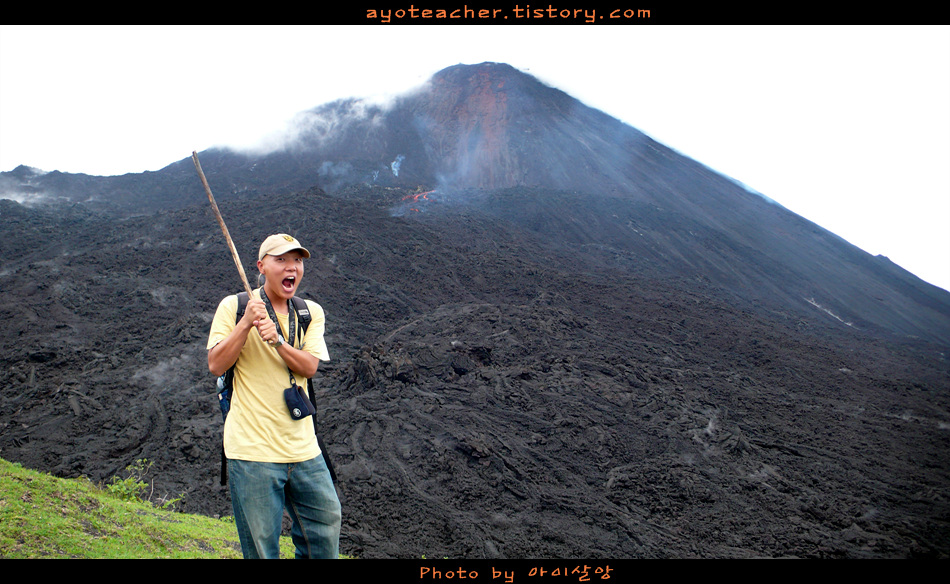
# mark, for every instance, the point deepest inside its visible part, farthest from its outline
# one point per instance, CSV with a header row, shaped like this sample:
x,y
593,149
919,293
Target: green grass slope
x,y
42,516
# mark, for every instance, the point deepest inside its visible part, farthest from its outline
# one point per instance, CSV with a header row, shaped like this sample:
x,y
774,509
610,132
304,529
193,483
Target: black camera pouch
x,y
298,403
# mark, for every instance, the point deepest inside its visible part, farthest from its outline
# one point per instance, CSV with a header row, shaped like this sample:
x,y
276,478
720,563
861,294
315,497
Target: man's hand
x,y
255,315
267,329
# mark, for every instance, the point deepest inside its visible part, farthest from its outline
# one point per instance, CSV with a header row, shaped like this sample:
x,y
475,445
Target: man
x,y
274,460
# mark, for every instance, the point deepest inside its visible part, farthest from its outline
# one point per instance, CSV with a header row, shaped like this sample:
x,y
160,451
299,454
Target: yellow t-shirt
x,y
259,427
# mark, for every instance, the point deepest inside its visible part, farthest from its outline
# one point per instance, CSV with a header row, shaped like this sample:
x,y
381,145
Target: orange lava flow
x,y
416,197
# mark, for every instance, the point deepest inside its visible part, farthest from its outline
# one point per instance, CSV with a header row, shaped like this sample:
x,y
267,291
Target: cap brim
x,y
286,248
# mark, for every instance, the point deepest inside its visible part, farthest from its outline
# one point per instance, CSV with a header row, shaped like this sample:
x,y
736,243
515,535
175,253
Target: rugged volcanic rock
x,y
656,364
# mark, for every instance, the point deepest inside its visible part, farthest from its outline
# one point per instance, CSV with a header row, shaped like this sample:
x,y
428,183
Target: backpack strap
x,y
242,305
303,312
229,374
228,384
304,318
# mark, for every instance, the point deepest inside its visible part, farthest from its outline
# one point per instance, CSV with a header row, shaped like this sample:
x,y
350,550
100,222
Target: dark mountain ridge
x,y
491,127
627,357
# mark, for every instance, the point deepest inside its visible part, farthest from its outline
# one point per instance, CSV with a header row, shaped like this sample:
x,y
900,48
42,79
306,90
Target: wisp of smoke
x,y
313,127
396,164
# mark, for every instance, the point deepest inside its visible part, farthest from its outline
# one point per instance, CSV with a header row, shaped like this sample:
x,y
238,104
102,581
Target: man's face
x,y
282,273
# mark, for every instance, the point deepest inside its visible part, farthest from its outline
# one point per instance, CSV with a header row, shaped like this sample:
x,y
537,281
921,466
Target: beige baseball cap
x,y
280,244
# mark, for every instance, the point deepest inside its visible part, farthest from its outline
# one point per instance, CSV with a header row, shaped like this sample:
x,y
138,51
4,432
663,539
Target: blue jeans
x,y
261,490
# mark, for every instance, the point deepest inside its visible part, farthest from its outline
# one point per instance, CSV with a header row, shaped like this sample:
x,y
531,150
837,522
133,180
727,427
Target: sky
x,y
847,126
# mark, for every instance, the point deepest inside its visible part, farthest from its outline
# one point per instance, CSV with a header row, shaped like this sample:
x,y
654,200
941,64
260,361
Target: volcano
x,y
552,336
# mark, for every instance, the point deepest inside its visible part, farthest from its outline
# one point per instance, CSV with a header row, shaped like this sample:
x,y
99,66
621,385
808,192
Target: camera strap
x,y
291,324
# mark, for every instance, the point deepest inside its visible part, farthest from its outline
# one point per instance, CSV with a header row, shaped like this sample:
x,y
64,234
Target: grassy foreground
x,y
42,516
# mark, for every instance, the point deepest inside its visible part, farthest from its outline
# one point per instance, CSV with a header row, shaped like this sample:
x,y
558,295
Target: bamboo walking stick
x,y
224,228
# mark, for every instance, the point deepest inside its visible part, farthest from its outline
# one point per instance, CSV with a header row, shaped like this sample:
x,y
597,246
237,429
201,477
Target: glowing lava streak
x,y
424,196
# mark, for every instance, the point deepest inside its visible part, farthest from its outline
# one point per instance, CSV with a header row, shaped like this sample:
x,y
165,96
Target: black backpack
x,y
226,383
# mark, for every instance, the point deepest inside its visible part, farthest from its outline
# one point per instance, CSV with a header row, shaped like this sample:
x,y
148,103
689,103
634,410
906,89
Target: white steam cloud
x,y
396,164
313,127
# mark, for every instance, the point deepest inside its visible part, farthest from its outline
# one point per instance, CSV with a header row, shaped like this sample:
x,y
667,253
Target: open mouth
x,y
289,283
